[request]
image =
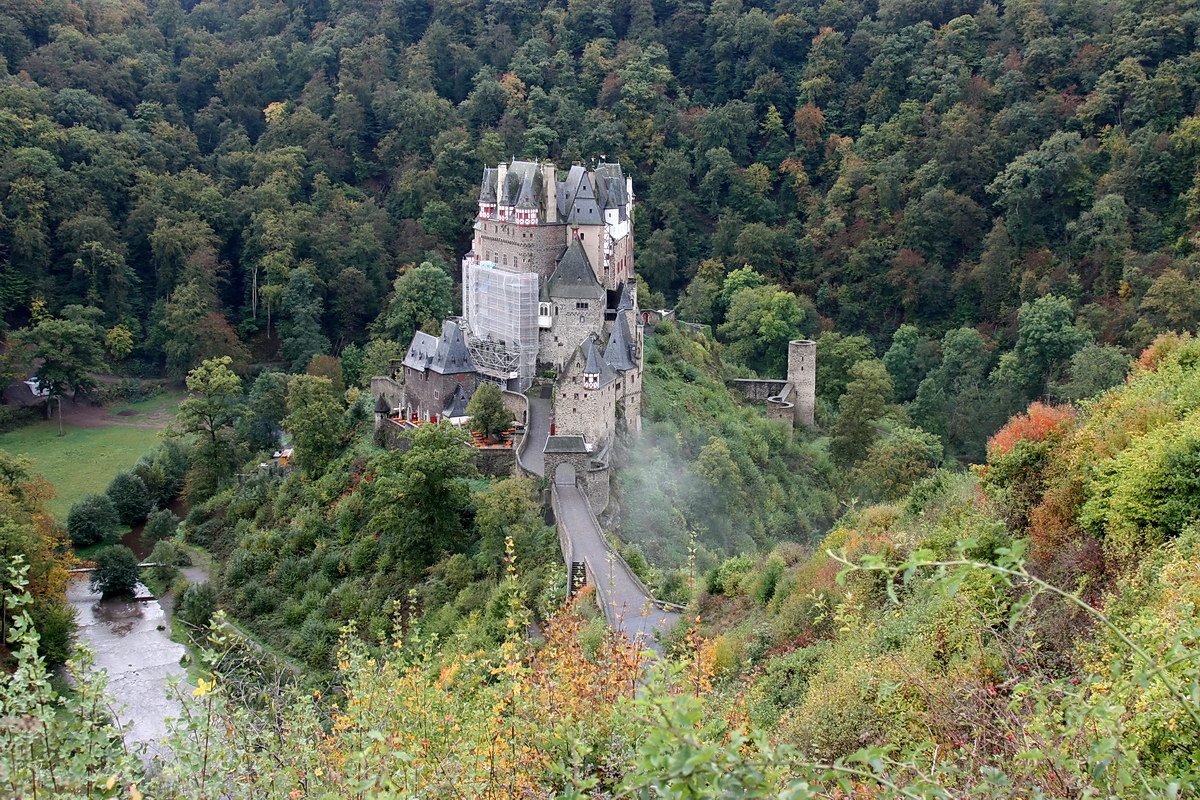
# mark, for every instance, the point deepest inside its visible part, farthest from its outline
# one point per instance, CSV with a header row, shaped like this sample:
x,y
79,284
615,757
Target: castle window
x,y
581,304
576,396
564,395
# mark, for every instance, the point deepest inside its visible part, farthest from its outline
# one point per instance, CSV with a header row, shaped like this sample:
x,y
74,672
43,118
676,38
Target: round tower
x,y
802,375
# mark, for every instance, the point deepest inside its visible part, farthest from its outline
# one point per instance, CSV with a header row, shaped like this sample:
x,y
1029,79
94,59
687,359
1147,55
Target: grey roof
x,y
521,175
487,190
573,278
610,185
584,208
565,444
456,406
446,354
625,298
621,353
594,363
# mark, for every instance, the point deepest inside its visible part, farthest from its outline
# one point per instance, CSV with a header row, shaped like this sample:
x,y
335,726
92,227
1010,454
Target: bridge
x,y
624,599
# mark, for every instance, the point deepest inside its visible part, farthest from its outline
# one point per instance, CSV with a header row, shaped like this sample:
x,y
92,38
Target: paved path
x,y
534,458
626,605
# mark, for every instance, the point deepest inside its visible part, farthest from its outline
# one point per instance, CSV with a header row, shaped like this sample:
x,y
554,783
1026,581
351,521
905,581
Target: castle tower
x,y
802,375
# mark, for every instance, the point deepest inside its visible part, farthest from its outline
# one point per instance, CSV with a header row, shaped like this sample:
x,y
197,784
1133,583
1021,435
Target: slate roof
x,y
620,352
625,298
565,444
456,406
593,361
487,190
573,278
446,354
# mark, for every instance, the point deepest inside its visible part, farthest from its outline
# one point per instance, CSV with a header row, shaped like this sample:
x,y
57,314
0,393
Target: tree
x,y
116,571
895,462
908,360
92,520
210,414
761,321
420,296
1094,369
1046,339
197,605
191,330
69,351
420,503
867,399
1174,299
314,420
489,417
160,525
129,497
836,357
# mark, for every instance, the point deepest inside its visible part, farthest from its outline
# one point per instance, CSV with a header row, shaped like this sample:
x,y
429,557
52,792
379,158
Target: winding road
x,y
623,598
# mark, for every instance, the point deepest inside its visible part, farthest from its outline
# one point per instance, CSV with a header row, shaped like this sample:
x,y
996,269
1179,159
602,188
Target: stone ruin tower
x,y
802,375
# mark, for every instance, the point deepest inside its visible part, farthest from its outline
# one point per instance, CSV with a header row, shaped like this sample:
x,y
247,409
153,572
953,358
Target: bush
x,y
160,525
129,497
169,556
92,520
116,571
197,605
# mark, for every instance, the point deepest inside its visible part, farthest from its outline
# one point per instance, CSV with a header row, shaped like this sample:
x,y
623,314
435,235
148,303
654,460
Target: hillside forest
x,y
976,577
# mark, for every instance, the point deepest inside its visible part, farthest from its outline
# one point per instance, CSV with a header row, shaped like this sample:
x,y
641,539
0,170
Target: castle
x,y
548,290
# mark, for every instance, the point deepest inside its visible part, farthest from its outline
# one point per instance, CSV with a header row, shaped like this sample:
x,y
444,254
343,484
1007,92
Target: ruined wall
x,y
391,391
757,390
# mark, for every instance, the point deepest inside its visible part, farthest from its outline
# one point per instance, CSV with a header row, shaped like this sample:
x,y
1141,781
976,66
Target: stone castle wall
x,y
756,390
568,327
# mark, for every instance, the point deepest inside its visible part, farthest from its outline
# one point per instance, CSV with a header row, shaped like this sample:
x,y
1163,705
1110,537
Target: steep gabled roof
x,y
620,352
446,354
584,208
456,406
573,278
588,356
487,190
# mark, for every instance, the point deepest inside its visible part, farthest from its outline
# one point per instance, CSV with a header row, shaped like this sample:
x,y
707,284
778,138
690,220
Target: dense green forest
x,y
248,179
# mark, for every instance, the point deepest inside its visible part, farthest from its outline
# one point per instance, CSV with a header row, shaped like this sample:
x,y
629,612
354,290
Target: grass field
x,y
86,459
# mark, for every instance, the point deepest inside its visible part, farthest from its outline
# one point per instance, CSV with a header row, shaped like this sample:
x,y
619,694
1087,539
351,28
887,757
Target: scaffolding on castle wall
x,y
500,309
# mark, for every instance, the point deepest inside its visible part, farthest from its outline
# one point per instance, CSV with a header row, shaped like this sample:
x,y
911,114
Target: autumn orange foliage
x,y
1038,423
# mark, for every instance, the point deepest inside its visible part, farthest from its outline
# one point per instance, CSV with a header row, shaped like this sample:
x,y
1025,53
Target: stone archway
x,y
564,474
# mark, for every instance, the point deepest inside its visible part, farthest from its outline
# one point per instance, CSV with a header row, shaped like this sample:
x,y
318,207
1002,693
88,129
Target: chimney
x,y
501,176
550,192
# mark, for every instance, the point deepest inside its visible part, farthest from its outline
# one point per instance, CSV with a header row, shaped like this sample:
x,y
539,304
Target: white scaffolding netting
x,y
500,309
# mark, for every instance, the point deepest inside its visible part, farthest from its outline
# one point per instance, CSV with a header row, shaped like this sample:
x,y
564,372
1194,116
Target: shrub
x,y
197,605
116,571
129,497
92,520
169,556
160,525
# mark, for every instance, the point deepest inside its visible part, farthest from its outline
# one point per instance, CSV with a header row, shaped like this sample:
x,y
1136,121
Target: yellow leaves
x,y
134,794
111,782
203,687
274,112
